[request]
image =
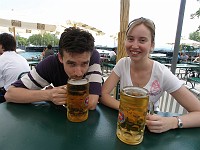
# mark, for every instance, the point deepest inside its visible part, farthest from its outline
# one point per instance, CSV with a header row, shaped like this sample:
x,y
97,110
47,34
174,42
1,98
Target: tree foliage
x,y
195,36
42,40
38,40
21,41
196,15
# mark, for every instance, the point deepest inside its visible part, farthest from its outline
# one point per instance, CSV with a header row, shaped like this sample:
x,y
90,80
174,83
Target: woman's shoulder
x,y
125,59
123,63
159,65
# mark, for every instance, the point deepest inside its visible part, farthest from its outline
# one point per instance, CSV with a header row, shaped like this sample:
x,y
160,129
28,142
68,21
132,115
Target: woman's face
x,y
138,43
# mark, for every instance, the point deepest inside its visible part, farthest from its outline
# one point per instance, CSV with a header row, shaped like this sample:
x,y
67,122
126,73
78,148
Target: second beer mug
x,y
132,114
77,100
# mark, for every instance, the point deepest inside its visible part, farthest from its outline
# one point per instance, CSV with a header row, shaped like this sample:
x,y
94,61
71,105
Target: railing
x,y
169,104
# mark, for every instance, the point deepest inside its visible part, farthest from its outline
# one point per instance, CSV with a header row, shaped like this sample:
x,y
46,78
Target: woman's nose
x,y
134,44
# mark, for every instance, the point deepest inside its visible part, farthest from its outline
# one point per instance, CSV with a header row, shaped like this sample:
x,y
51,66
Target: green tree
x,y
21,41
43,40
196,14
35,39
195,36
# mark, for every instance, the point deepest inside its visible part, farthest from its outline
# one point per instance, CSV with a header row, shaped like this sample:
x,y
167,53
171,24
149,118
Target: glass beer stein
x,y
132,114
77,100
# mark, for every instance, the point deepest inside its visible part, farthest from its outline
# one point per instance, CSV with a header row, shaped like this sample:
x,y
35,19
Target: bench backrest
x,y
169,104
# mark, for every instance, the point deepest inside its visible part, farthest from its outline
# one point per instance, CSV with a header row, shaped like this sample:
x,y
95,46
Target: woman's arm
x,y
186,99
107,88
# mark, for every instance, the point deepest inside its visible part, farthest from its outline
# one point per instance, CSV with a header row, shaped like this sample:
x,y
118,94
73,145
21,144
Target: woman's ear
x,y
60,58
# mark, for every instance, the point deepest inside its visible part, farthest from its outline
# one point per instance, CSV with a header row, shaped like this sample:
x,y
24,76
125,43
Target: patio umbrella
x,y
124,19
85,26
27,26
188,42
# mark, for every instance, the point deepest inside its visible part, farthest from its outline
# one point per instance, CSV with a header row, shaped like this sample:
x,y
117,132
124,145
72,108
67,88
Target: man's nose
x,y
78,71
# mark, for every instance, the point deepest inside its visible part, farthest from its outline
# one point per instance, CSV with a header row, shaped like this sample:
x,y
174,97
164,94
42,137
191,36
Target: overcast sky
x,y
104,14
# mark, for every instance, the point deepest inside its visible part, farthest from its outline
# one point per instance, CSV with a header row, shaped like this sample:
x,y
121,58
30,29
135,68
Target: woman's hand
x,y
158,124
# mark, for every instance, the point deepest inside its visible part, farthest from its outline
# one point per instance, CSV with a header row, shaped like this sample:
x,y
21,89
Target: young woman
x,y
139,70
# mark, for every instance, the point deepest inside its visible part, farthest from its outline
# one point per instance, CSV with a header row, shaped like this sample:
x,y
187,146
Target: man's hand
x,y
58,95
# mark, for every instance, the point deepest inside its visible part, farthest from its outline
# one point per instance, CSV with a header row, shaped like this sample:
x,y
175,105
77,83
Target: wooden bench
x,y
193,80
108,66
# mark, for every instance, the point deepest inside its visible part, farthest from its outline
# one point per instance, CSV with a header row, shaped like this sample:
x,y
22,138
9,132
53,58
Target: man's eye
x,y
84,65
72,65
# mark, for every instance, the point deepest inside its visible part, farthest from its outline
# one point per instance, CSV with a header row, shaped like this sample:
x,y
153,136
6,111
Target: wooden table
x,y
187,67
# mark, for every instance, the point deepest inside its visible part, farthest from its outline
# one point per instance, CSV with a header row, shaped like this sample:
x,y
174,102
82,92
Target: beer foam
x,y
78,82
135,91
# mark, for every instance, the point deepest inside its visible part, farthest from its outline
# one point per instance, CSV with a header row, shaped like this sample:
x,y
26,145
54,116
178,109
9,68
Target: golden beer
x,y
132,114
77,100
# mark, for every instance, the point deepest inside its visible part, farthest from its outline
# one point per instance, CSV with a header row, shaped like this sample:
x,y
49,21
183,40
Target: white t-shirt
x,y
11,66
161,80
112,53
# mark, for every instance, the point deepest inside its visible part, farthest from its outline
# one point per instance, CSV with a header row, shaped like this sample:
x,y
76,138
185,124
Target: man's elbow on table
x,y
11,94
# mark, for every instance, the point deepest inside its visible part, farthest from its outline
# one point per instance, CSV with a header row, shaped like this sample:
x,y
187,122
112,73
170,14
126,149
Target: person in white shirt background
x,y
113,52
12,64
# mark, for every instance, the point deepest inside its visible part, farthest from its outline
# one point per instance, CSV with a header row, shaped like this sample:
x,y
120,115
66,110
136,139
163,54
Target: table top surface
x,y
157,55
184,65
33,61
44,126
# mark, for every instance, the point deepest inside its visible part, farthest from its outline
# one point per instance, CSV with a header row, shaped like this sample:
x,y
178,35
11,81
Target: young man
x,y
11,63
76,59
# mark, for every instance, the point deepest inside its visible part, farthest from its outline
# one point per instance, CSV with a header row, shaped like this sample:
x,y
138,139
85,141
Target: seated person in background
x,y
76,59
113,56
184,57
113,52
43,52
197,59
11,63
49,51
139,70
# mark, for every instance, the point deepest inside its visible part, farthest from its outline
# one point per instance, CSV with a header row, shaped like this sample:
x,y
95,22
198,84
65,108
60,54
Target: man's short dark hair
x,y
49,46
76,40
8,42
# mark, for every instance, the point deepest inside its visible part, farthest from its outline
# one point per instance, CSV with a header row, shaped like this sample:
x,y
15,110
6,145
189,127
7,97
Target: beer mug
x,y
77,100
132,114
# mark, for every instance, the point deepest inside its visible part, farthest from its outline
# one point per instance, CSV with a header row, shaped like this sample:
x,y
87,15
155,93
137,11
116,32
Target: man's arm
x,y
22,95
93,101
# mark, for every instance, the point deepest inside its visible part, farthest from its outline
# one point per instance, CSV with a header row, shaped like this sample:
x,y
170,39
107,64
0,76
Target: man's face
x,y
75,65
1,49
